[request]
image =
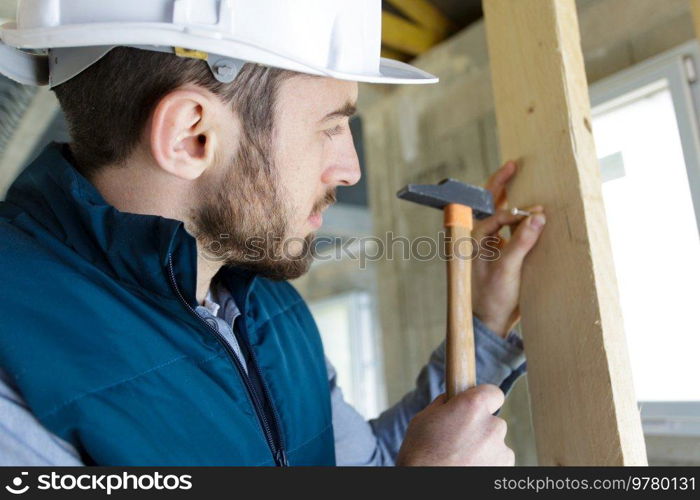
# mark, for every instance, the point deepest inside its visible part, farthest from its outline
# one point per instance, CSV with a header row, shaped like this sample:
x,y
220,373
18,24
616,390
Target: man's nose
x,y
344,169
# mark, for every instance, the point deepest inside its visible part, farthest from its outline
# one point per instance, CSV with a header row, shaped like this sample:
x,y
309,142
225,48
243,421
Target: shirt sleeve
x,y
359,442
24,441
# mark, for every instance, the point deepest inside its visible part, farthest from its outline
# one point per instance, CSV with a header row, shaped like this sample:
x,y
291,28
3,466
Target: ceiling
x,y
412,27
461,12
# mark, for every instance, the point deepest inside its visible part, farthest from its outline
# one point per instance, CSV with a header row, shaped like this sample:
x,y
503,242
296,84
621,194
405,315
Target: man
x,y
139,328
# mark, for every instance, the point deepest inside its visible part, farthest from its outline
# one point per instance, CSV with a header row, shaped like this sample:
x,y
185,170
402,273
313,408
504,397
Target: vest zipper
x,y
278,453
281,456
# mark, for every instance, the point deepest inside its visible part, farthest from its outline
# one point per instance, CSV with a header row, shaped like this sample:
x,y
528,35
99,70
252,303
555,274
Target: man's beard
x,y
243,220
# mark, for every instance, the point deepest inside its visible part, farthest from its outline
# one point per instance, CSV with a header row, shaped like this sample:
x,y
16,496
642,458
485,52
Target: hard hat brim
x,y
398,72
159,34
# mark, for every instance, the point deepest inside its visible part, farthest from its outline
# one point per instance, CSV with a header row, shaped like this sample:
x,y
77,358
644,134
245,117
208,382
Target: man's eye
x,y
337,130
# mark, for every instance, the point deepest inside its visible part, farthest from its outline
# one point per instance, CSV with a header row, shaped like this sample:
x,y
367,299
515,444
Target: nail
x,y
517,211
538,221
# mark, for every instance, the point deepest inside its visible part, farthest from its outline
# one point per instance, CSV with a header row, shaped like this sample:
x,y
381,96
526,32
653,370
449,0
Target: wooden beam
x,y
583,401
425,14
394,54
695,9
404,36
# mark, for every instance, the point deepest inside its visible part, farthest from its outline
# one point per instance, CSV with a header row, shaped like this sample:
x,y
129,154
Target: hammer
x,y
460,202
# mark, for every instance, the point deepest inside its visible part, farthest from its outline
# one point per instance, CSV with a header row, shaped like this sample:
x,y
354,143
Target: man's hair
x,y
108,105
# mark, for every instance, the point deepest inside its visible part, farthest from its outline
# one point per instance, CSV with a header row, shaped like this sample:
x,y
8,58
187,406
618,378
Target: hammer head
x,y
450,191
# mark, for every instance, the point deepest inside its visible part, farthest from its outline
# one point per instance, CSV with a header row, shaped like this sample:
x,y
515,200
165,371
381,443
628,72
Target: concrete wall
x,y
426,133
8,9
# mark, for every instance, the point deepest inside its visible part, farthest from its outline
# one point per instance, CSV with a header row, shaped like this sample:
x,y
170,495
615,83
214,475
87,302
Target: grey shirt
x,y
25,441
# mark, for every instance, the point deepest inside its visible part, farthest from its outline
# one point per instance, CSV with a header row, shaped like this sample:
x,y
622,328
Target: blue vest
x,y
98,333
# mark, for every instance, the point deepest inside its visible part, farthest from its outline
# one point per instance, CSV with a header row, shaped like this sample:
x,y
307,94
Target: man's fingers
x,y
486,396
498,180
492,224
524,238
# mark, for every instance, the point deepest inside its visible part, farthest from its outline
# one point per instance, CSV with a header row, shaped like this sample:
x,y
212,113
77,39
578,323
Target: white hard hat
x,y
335,38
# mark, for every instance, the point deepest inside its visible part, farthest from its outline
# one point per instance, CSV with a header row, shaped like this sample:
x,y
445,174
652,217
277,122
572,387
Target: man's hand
x,y
461,432
496,284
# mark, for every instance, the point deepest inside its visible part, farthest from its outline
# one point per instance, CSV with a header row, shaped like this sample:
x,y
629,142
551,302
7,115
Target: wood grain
x,y
695,11
583,401
460,373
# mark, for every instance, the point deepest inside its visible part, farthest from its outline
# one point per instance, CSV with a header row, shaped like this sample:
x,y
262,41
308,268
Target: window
x,y
350,343
646,134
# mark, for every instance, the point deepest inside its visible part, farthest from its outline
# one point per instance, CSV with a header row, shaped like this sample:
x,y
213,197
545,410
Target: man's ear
x,y
183,133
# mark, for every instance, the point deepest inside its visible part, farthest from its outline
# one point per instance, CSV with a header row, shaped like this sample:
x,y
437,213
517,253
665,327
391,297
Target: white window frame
x,y
680,68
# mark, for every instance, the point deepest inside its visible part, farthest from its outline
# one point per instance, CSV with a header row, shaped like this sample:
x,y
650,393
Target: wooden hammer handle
x,y
461,359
